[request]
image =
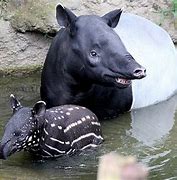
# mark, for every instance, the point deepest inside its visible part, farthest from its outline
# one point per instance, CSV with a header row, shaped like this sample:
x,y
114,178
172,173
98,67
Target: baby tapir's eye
x,y
17,133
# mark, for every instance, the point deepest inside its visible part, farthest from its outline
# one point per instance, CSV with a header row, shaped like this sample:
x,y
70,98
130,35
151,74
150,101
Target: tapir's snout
x,y
2,156
5,150
135,70
139,73
1,152
126,67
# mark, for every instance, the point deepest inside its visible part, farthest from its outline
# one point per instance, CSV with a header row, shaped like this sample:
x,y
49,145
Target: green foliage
x,y
170,11
174,8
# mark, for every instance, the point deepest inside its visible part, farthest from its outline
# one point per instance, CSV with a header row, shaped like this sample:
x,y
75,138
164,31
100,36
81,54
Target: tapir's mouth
x,y
123,81
7,149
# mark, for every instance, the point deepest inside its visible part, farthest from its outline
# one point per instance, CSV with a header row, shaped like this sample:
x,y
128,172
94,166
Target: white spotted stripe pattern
x,y
69,151
68,113
51,140
47,152
70,109
67,142
96,123
83,119
46,132
89,145
85,136
70,126
30,138
26,138
52,125
60,127
87,117
79,122
55,149
56,140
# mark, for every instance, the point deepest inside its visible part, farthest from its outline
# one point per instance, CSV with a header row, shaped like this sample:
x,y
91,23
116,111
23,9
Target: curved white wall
x,y
152,47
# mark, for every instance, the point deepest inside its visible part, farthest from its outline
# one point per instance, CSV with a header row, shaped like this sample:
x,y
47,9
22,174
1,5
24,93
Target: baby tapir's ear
x,y
14,103
39,109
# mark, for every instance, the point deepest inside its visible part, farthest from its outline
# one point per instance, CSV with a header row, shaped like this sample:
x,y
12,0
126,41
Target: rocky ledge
x,y
27,24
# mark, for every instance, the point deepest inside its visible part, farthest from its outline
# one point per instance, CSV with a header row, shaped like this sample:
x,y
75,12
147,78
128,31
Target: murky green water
x,y
150,134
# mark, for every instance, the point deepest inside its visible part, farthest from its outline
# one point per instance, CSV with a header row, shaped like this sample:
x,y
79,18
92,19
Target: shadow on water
x,y
150,134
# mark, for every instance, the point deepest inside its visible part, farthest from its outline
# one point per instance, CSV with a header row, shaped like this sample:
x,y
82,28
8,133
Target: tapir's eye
x,y
93,53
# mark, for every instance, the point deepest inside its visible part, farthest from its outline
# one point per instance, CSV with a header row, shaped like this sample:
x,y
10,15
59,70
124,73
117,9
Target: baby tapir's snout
x,y
3,151
50,133
1,154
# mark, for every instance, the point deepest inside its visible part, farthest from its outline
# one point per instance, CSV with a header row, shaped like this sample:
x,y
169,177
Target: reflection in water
x,y
151,124
149,133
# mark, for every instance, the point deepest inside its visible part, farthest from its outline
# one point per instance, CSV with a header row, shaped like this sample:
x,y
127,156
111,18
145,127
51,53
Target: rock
x,y
21,51
35,16
32,15
113,166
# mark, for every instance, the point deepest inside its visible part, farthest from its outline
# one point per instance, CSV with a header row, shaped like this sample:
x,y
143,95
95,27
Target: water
x,y
150,134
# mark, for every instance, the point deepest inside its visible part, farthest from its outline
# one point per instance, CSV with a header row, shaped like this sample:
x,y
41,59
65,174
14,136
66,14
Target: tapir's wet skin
x,y
49,133
86,56
149,133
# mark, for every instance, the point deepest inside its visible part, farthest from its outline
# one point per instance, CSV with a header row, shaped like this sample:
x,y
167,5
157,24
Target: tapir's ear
x,y
64,16
112,18
14,103
39,108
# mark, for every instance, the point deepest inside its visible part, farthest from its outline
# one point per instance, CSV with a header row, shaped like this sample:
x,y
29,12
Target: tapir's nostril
x,y
139,72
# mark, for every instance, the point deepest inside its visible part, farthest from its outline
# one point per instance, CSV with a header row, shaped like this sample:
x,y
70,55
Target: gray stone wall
x,y
21,53
22,45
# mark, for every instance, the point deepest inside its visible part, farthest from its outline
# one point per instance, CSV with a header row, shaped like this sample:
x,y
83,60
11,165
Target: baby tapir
x,y
49,133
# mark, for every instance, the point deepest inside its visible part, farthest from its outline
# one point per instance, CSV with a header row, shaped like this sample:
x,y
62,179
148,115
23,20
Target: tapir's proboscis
x,y
87,64
58,131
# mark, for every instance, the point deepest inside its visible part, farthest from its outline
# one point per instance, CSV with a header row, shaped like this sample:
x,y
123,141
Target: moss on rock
x,y
35,16
20,71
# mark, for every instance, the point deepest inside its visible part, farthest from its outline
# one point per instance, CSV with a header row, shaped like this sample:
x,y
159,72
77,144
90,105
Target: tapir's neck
x,y
74,88
74,85
61,81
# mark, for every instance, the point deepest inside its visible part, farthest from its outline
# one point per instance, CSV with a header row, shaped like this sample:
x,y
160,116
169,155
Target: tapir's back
x,y
69,128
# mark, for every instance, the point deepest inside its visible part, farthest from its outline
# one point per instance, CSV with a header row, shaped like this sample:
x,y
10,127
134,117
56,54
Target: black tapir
x,y
87,64
49,133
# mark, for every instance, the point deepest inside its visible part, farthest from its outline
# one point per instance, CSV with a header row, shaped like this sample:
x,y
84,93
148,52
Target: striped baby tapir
x,y
50,132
